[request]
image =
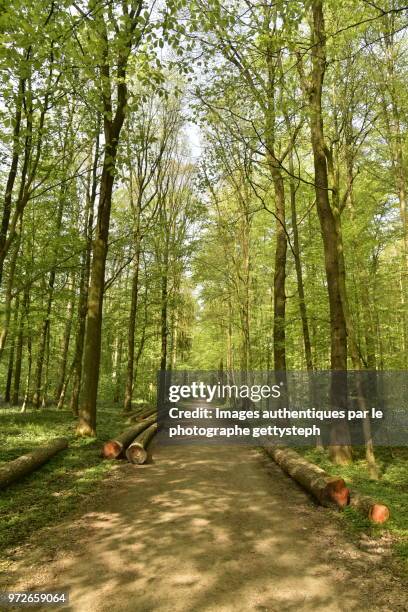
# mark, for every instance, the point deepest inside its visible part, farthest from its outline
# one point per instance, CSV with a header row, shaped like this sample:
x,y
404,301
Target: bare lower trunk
x,y
117,369
65,346
340,449
19,348
10,369
44,398
28,377
163,333
42,343
84,277
16,469
8,297
299,273
131,330
61,399
92,345
279,334
92,356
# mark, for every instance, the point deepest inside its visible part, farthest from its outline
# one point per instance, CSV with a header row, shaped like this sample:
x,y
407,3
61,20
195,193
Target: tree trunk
x,y
84,276
28,376
42,343
15,470
65,344
47,371
117,368
374,511
114,448
164,327
19,349
136,452
92,355
299,274
8,297
340,451
13,171
328,490
7,393
279,296
61,399
131,328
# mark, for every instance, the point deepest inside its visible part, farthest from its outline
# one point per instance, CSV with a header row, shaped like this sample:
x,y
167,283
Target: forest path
x,y
214,529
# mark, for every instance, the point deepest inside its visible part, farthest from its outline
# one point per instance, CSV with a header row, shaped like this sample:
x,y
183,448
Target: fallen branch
x,y
26,464
114,448
374,511
328,490
137,453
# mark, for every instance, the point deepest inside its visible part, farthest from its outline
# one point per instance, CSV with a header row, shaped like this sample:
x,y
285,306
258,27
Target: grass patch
x,y
392,489
53,491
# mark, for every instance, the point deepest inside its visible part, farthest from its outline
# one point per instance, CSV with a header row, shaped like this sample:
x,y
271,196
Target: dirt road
x,y
214,529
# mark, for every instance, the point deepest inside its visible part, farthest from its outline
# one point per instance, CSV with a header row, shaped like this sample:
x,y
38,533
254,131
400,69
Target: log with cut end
x,y
114,448
328,490
137,451
16,469
375,511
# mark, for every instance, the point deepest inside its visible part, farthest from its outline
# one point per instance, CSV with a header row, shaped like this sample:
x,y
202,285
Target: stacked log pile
x,y
137,451
133,442
138,436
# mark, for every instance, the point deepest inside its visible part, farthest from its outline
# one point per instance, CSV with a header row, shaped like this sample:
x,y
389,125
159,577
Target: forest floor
x,y
207,528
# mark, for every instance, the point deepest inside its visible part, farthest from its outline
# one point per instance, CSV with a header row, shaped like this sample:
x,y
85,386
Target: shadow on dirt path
x,y
210,529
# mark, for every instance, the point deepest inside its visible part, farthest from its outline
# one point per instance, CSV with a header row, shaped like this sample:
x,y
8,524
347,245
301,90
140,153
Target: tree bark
x,y
84,277
117,368
340,451
19,348
10,369
65,344
13,169
298,268
328,490
112,128
42,343
115,447
132,327
26,464
8,296
136,452
164,327
375,511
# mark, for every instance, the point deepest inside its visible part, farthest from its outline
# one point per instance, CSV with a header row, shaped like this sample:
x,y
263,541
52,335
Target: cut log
x,y
144,414
16,469
137,451
114,448
376,512
328,490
